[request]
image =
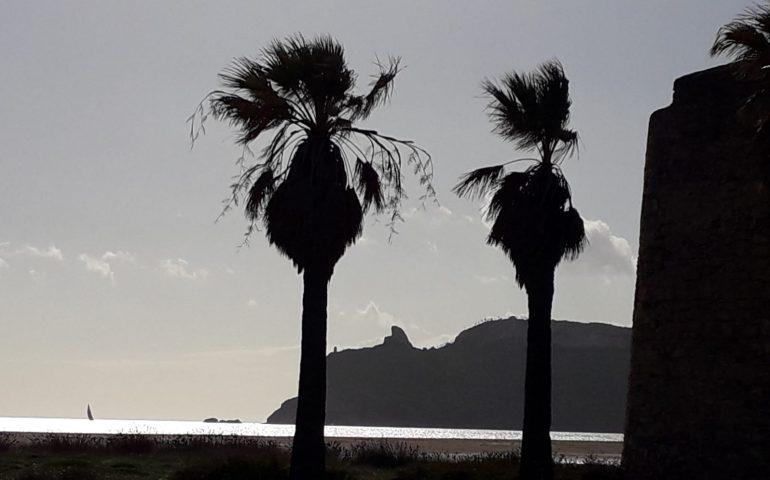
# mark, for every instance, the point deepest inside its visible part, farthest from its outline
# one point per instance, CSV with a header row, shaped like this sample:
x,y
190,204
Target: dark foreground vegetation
x,y
129,457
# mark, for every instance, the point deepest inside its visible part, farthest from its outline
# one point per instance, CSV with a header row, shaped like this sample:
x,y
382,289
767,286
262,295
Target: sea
x,y
167,427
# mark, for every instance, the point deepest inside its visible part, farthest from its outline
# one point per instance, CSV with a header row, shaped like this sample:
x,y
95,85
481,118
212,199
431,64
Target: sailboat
x,y
88,412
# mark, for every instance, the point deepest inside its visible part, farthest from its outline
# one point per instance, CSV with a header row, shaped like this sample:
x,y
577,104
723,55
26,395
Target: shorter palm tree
x,y
535,224
746,40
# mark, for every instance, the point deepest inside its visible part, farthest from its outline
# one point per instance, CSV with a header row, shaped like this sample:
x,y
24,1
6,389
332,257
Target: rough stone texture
x,y
699,387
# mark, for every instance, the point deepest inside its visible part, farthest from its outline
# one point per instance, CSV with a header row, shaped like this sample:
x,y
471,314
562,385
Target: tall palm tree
x,y
747,41
312,184
535,224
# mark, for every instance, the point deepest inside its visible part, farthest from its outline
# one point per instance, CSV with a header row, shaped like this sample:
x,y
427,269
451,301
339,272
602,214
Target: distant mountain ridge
x,y
477,380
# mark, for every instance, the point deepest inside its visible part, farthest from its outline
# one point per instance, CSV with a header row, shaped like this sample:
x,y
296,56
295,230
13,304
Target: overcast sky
x,y
118,288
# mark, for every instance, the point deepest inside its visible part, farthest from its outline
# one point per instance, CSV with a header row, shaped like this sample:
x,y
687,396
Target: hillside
x,y
477,380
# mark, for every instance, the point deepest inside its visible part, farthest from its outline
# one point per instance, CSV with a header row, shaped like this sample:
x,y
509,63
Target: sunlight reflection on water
x,y
158,427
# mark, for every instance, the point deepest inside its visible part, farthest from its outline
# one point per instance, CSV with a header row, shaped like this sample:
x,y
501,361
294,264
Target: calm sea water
x,y
156,427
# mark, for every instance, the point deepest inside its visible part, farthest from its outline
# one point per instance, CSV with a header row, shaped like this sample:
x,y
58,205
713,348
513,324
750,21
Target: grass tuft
x,y
381,454
7,441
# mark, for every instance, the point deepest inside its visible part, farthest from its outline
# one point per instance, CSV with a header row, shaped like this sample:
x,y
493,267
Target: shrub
x,y
67,443
130,443
382,454
7,441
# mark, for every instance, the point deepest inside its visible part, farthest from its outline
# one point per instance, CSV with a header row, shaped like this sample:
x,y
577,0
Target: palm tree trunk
x,y
536,460
309,450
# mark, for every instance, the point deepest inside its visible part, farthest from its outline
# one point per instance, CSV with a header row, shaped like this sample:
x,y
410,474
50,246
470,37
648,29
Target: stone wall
x,y
699,389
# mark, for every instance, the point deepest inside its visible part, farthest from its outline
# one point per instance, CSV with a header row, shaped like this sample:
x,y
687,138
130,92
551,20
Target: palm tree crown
x,y
313,183
747,41
531,212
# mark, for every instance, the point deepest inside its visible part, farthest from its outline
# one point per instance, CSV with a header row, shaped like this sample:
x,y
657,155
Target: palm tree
x,y
312,184
747,41
535,224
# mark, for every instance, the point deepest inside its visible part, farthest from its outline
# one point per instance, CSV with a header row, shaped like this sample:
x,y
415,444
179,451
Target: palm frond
x,y
313,72
259,194
508,192
746,40
381,89
508,110
369,187
573,234
746,37
740,42
554,102
251,79
385,154
475,184
245,74
252,118
568,143
532,110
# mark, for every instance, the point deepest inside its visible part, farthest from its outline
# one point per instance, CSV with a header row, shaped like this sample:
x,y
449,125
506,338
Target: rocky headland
x,y
477,380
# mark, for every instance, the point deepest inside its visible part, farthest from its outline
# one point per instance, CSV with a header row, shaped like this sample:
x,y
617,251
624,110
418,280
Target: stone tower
x,y
699,388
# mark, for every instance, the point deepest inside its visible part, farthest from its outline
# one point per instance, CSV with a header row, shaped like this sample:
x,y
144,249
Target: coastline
x,y
566,448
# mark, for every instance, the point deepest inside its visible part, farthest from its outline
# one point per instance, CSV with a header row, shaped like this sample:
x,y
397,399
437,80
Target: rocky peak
x,y
397,337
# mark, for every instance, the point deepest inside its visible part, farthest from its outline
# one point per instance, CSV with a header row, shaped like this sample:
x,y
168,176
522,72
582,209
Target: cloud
x,y
366,241
410,212
369,325
606,253
432,217
119,256
247,355
252,303
437,341
180,268
371,313
102,265
358,327
97,265
3,263
52,252
486,280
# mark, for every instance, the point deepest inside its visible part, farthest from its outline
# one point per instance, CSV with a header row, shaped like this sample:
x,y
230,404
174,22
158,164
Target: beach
x,y
183,456
440,446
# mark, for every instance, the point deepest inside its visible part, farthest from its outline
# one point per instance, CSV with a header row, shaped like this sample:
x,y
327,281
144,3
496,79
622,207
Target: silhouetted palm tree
x,y
747,41
312,184
535,224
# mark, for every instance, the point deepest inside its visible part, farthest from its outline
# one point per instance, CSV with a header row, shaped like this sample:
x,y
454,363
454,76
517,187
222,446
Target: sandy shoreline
x,y
567,448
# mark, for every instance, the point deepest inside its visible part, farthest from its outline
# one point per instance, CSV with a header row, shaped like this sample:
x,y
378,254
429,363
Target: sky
x,y
117,286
